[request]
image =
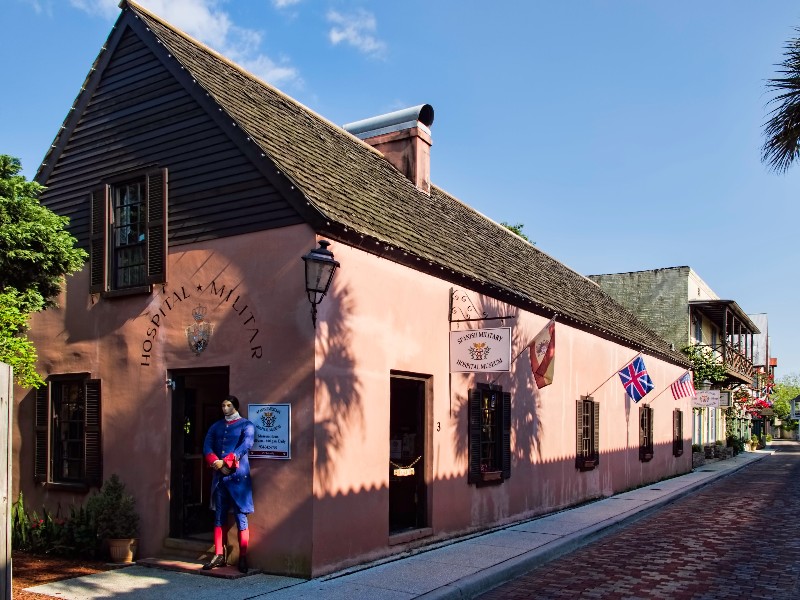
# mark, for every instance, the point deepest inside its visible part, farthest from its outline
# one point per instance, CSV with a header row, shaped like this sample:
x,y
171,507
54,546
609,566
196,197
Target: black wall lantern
x,y
320,267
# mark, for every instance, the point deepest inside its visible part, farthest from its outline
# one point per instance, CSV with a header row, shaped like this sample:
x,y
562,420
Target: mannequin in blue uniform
x,y
225,450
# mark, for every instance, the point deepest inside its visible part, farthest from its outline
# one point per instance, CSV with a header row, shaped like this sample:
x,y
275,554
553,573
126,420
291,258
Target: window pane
x,y
490,431
129,234
69,404
587,428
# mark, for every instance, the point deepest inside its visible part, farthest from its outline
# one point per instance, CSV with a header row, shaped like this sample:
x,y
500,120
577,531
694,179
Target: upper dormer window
x,y
698,329
128,221
129,233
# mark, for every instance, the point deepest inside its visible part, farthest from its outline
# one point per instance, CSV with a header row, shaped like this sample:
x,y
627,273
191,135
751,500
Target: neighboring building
x,y
677,304
197,189
765,366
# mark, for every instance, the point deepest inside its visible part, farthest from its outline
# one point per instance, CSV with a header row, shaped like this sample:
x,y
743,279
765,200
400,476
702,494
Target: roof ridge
x,y
138,8
362,194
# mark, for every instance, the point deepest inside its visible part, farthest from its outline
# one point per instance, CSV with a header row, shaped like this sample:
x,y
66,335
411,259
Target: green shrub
x,y
696,448
34,533
79,536
114,511
736,443
20,526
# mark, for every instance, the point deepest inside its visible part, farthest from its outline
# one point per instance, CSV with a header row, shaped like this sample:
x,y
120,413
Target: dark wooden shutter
x,y
93,449
474,417
642,431
157,226
645,433
596,436
579,457
506,435
98,241
677,432
41,435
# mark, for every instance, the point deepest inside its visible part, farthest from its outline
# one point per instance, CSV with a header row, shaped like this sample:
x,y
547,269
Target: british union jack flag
x,y
635,379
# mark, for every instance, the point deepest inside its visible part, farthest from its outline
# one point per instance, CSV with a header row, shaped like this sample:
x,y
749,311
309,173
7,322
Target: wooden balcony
x,y
738,366
736,330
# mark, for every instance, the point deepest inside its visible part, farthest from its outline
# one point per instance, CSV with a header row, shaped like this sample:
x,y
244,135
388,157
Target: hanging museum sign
x,y
706,399
273,430
476,350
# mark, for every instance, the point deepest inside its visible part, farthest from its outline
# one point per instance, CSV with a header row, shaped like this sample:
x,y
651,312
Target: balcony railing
x,y
735,361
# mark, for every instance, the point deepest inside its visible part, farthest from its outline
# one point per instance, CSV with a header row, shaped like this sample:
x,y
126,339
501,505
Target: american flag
x,y
683,387
635,379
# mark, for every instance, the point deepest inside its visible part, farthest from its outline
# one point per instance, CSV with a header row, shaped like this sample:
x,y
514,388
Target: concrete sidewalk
x,y
456,569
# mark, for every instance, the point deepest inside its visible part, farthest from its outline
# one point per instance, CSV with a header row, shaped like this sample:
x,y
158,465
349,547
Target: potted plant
x,y
116,519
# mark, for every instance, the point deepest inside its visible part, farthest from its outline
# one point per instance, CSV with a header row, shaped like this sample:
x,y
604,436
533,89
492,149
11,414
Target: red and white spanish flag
x,y
543,351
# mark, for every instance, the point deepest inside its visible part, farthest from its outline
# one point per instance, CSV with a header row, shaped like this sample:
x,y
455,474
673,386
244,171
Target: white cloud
x,y
357,30
206,21
284,3
104,8
41,8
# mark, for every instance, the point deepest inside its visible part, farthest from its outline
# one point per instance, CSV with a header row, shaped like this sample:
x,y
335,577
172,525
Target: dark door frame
x,y
426,463
178,461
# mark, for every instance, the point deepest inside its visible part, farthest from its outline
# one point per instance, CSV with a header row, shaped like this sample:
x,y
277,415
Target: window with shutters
x,y
677,432
645,433
67,437
128,243
489,435
587,450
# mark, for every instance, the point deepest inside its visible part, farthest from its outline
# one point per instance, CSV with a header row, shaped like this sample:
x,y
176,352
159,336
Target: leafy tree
x,y
786,388
518,230
781,148
36,252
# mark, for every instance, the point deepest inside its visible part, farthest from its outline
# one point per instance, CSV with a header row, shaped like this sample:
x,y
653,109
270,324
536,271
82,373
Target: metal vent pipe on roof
x,y
394,121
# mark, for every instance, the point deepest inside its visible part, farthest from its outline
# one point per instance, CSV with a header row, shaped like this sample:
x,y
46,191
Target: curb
x,y
491,577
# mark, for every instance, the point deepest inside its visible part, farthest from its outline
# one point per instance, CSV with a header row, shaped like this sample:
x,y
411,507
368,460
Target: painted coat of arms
x,y
479,351
268,419
198,334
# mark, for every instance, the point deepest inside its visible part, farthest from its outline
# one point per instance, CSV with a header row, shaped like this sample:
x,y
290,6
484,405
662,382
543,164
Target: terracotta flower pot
x,y
122,550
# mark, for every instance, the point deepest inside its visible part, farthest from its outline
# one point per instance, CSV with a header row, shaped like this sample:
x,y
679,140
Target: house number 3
x,y
438,425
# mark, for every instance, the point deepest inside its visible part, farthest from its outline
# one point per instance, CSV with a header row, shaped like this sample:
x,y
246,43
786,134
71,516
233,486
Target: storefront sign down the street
x,y
706,399
475,350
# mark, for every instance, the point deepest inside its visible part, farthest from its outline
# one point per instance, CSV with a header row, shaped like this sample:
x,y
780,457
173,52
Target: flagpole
x,y
525,347
654,398
614,373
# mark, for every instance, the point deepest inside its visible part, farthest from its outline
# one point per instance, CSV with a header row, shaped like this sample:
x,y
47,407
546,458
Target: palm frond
x,y
781,147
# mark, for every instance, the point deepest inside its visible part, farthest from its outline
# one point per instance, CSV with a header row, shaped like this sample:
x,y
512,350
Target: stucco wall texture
x,y
327,507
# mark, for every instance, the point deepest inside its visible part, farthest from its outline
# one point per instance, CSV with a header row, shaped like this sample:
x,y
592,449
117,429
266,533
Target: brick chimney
x,y
404,139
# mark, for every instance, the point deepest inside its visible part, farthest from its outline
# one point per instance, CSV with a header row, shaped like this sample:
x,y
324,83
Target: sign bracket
x,y
461,305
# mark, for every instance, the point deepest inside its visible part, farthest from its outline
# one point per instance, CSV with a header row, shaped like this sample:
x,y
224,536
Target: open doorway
x,y
196,398
408,452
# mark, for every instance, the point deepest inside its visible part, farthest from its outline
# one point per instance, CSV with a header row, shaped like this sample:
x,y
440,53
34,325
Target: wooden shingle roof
x,y
359,195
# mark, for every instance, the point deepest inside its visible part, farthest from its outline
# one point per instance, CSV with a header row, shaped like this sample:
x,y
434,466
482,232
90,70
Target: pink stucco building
x,y
197,189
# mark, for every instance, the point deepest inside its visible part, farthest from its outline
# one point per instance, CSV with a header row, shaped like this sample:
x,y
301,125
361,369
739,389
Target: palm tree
x,y
782,131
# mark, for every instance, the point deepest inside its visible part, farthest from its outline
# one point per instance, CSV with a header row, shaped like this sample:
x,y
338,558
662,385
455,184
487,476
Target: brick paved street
x,y
736,538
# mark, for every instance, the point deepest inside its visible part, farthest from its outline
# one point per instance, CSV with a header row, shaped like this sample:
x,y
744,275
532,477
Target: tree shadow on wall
x,y
526,426
337,380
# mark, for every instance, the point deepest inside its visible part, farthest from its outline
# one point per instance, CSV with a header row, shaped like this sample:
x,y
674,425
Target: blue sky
x,y
624,135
